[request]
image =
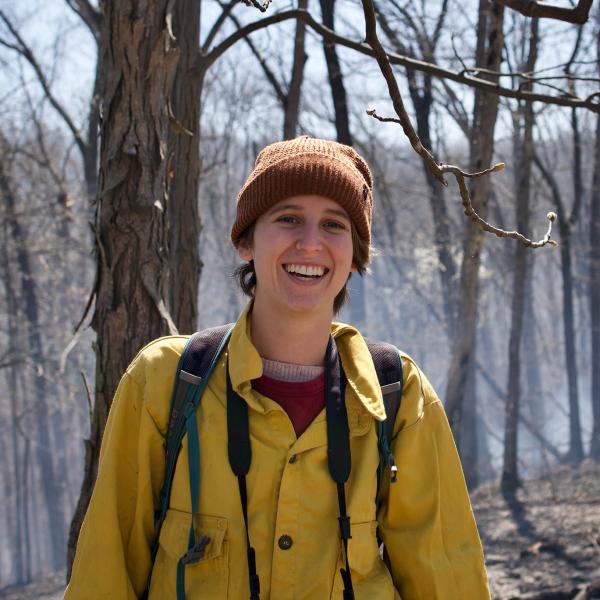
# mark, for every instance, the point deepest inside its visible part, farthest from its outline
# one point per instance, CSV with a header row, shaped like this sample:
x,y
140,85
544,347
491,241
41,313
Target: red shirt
x,y
301,400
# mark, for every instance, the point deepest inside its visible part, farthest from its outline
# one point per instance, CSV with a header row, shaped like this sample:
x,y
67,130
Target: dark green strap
x,y
194,551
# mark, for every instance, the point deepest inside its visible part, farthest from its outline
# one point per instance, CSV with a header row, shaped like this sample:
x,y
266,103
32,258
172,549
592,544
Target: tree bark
x,y
147,216
523,153
489,55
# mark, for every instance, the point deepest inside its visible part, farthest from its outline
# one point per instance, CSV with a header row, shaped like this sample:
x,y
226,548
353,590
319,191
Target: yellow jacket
x,y
425,517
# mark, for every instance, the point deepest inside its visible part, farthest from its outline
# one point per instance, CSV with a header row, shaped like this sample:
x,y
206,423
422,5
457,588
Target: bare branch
x,y
89,14
437,170
269,74
226,11
203,62
470,211
532,8
23,49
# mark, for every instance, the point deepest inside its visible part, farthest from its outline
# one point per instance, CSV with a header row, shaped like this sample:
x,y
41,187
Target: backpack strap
x,y
195,367
240,456
388,365
338,448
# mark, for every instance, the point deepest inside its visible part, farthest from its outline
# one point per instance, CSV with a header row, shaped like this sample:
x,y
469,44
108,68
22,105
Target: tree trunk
x,y
357,306
595,293
183,163
147,217
17,513
54,499
489,56
292,98
523,153
575,453
566,226
336,80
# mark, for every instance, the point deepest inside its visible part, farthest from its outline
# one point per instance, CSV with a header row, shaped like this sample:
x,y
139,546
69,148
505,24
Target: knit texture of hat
x,y
307,165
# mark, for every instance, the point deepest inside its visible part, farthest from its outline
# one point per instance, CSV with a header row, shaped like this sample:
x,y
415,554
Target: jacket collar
x,y
362,391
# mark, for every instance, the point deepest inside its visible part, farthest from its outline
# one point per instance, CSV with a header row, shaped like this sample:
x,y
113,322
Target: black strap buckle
x,y
196,552
345,527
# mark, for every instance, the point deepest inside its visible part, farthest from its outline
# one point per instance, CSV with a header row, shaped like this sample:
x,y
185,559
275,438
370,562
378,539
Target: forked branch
x,y
437,169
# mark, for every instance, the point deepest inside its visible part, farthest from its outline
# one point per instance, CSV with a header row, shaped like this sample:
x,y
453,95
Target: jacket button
x,y
292,459
285,542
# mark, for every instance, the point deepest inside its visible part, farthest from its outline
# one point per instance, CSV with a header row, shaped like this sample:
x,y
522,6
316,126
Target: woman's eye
x,y
287,219
334,225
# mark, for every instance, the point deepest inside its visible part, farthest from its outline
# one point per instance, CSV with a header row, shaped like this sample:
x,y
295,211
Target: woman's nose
x,y
309,239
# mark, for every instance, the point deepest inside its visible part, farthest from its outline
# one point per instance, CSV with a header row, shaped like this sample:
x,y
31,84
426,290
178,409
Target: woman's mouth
x,y
306,272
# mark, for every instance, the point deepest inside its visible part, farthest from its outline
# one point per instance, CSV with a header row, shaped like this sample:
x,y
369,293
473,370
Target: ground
x,y
543,545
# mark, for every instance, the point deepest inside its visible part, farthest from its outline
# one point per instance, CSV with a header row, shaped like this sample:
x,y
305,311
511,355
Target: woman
x,y
303,225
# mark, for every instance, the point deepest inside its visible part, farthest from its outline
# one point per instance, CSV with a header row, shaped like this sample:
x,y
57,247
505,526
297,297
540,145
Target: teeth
x,y
310,271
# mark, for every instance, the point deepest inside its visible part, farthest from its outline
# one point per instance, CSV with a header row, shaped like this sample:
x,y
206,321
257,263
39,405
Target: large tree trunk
x,y
523,154
489,56
147,221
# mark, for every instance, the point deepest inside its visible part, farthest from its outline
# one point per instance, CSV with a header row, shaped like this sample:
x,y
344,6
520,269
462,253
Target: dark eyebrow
x,y
340,212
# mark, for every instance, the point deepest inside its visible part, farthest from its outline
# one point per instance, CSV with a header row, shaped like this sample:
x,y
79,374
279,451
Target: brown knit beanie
x,y
307,165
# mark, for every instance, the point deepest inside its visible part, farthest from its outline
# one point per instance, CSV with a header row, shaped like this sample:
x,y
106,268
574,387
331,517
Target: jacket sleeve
x,y
425,518
112,559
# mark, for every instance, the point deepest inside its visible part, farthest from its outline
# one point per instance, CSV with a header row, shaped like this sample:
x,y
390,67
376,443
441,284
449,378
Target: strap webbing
x,y
338,443
240,456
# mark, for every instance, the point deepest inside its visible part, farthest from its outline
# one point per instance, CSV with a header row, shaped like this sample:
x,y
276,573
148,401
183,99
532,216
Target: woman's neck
x,y
298,339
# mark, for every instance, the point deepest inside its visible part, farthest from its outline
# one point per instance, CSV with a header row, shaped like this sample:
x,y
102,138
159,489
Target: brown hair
x,y
361,256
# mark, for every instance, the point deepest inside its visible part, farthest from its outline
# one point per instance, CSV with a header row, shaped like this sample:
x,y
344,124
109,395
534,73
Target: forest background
x,y
126,130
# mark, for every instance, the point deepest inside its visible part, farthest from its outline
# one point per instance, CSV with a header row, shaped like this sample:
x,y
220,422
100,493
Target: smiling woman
x,y
292,407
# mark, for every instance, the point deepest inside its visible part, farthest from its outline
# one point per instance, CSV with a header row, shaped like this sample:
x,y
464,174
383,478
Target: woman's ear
x,y
245,253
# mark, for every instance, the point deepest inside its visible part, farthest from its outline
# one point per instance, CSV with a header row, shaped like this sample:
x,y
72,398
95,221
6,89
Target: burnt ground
x,y
542,545
545,543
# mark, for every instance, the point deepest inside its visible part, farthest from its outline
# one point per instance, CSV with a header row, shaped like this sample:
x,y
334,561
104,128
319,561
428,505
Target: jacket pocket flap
x,y
175,531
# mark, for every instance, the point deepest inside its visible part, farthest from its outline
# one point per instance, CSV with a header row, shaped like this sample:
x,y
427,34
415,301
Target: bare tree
x,y
523,122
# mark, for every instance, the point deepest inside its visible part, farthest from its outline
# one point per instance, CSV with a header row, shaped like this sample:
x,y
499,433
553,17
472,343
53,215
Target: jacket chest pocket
x,y
206,578
370,576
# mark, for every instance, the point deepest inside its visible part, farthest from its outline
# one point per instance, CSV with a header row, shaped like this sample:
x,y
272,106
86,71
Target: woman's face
x,y
302,252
